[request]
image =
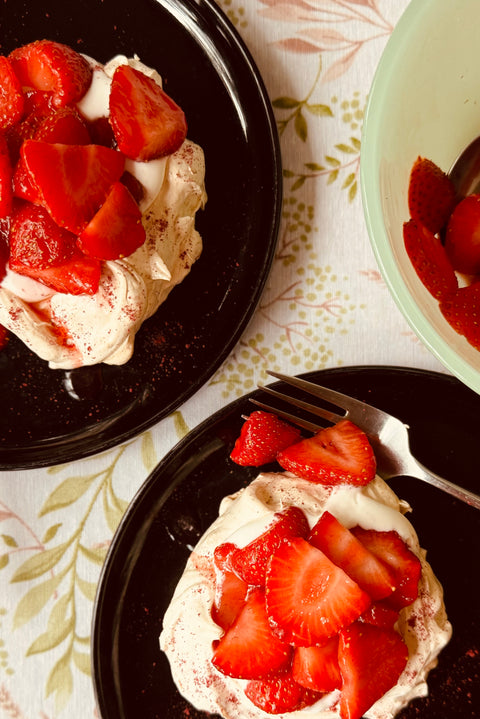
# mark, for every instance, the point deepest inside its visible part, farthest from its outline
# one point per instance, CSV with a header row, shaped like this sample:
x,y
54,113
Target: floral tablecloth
x,y
325,305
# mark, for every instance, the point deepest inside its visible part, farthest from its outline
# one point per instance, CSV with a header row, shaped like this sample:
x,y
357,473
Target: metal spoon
x,y
465,171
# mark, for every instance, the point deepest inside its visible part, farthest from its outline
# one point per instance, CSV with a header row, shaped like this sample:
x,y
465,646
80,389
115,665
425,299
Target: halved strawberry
x,y
317,667
380,615
72,181
431,195
63,125
462,311
6,191
390,548
79,275
429,259
250,562
371,660
337,455
116,230
275,696
53,67
462,238
146,122
347,552
248,649
36,241
309,599
12,101
262,437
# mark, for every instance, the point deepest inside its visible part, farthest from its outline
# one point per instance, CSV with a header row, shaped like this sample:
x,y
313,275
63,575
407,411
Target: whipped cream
x,y
70,331
189,630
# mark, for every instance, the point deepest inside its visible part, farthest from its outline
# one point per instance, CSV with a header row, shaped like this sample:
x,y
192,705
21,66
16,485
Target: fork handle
x,y
421,472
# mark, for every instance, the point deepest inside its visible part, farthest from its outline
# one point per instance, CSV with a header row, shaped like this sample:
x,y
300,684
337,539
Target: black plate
x,y
209,72
180,500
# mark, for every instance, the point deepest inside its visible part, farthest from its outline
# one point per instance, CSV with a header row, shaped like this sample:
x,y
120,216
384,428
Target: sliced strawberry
x,y
462,238
37,108
347,552
431,195
36,241
50,66
116,230
78,276
371,661
12,101
4,337
248,649
262,437
309,599
380,615
462,311
337,455
275,696
390,548
317,667
64,125
250,562
6,191
429,259
23,184
72,181
146,122
230,596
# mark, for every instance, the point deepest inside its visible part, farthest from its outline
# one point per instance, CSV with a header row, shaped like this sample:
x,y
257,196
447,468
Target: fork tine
x,y
343,401
311,408
310,426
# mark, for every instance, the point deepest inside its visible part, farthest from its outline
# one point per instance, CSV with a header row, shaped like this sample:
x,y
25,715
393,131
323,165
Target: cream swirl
x,y
188,629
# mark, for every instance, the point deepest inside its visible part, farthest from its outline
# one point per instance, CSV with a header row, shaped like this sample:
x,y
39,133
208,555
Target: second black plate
x,y
209,72
181,498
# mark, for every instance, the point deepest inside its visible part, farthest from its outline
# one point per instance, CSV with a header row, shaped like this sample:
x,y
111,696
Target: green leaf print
x,y
67,493
97,493
37,565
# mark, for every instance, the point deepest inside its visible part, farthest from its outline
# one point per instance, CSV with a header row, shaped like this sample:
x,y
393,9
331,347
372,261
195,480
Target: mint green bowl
x,y
424,100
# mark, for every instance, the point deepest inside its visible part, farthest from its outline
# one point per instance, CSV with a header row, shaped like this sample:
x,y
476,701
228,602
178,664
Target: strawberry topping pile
x,y
305,612
309,610
340,454
442,240
66,201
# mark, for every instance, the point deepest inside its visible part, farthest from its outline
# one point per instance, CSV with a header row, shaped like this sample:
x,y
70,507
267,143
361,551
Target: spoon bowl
x,y
465,171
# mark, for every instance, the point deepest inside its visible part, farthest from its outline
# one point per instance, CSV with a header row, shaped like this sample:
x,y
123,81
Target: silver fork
x,y
387,434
